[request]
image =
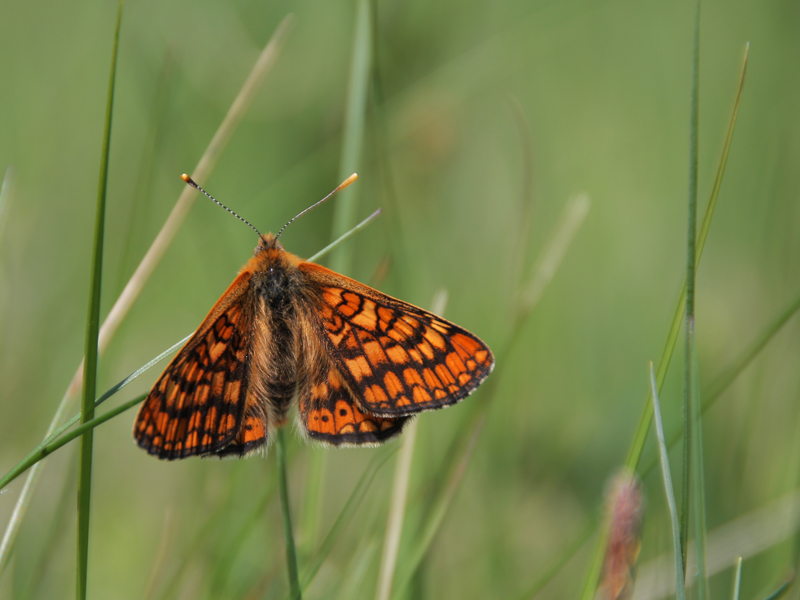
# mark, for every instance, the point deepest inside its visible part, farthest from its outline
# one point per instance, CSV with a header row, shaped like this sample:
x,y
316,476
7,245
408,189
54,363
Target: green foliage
x,y
505,486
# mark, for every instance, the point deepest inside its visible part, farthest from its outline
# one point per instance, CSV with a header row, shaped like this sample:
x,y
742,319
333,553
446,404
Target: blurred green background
x,y
599,93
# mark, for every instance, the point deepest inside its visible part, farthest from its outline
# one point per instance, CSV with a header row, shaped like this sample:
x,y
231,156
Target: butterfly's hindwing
x,y
398,358
329,413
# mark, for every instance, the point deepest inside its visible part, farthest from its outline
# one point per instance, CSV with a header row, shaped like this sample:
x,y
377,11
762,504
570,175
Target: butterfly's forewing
x,y
198,405
397,358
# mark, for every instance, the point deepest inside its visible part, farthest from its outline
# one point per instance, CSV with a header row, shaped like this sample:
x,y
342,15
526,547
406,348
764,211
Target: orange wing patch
x,y
396,358
330,414
197,405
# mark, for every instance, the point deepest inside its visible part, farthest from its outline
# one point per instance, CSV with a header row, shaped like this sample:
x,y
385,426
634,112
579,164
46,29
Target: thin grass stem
x,y
53,435
288,535
151,259
343,220
20,468
680,577
5,199
344,236
698,483
92,333
347,512
782,590
543,271
691,257
635,452
729,375
737,579
438,512
402,474
354,126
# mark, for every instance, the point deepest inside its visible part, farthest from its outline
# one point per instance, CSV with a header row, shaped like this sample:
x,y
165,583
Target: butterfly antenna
x,y
341,186
192,183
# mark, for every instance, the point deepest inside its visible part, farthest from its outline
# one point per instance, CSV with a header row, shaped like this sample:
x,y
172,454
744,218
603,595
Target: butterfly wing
x,y
328,410
198,405
397,359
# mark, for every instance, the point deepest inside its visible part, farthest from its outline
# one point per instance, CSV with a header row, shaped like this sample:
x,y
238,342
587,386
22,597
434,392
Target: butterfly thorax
x,y
275,276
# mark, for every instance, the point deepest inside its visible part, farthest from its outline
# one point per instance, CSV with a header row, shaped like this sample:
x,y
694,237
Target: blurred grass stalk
x,y
92,333
343,220
286,518
737,579
693,500
148,264
402,474
680,577
58,438
635,452
743,537
551,257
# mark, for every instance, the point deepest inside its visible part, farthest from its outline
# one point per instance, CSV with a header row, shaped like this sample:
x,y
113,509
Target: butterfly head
x,y
267,242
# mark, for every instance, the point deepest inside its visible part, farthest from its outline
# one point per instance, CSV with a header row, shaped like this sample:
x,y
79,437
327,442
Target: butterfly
x,y
361,363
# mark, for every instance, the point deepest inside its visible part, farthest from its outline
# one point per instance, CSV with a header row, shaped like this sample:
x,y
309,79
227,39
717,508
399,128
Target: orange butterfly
x,y
361,362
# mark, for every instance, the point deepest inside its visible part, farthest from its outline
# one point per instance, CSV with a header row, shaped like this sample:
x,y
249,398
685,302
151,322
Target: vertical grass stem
x,y
288,535
92,334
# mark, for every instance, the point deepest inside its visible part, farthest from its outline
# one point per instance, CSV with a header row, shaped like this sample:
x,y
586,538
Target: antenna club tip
x,y
186,178
348,181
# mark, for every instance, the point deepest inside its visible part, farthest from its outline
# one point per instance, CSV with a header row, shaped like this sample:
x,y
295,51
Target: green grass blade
x,y
153,256
680,576
737,579
559,562
354,125
782,590
347,512
397,506
344,236
5,198
343,221
438,511
36,452
635,452
544,270
729,375
54,445
288,535
92,334
698,475
691,258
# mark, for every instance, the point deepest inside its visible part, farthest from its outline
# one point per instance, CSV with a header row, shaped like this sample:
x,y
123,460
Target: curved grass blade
x,y
680,576
637,446
347,512
635,452
690,437
344,236
782,590
26,463
343,220
544,270
45,450
737,579
721,383
92,334
397,507
286,517
152,258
